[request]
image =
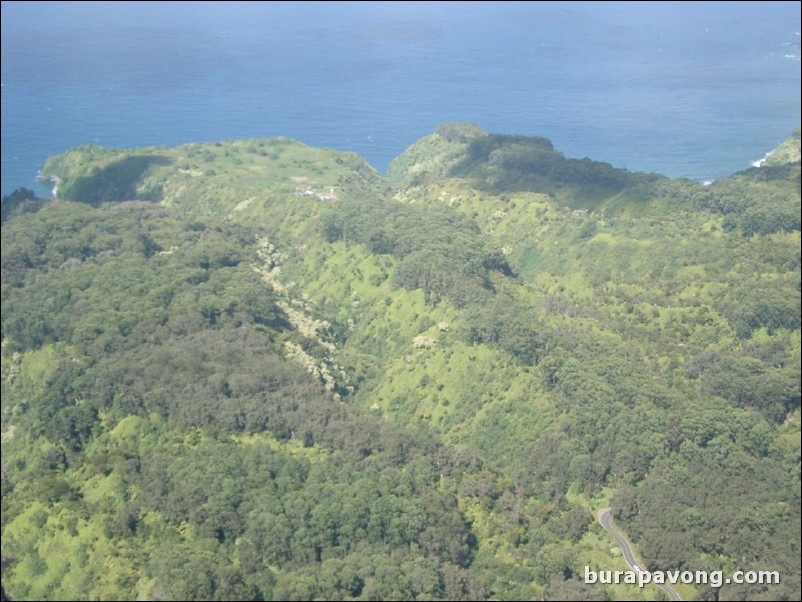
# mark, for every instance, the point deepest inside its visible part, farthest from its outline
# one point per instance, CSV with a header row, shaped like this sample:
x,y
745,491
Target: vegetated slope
x,y
261,180
787,152
577,331
168,434
646,320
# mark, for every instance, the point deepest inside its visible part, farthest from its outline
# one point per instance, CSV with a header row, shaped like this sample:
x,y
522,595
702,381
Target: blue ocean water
x,y
691,89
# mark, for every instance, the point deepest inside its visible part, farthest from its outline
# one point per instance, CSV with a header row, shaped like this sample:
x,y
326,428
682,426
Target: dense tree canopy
x,y
253,370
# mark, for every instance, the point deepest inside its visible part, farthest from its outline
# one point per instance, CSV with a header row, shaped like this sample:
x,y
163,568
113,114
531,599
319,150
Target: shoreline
x,y
762,162
55,181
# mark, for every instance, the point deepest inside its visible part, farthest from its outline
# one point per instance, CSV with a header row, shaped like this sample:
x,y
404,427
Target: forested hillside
x,y
258,370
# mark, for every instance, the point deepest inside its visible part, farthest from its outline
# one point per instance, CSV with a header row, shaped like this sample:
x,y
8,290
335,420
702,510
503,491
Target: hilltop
x,y
787,152
255,369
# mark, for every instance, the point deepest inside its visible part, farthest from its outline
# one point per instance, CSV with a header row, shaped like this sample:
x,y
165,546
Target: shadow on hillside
x,y
115,182
501,163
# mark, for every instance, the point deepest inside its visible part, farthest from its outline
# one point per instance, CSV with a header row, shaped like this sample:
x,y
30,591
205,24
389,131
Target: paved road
x,y
605,518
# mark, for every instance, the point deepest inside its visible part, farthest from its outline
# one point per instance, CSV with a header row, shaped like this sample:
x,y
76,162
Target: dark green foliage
x,y
754,526
508,163
110,284
748,381
156,435
573,589
769,307
439,250
20,201
169,324
756,201
513,327
190,333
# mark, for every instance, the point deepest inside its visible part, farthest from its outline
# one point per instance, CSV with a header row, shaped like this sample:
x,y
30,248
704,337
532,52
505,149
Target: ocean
x,y
688,89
